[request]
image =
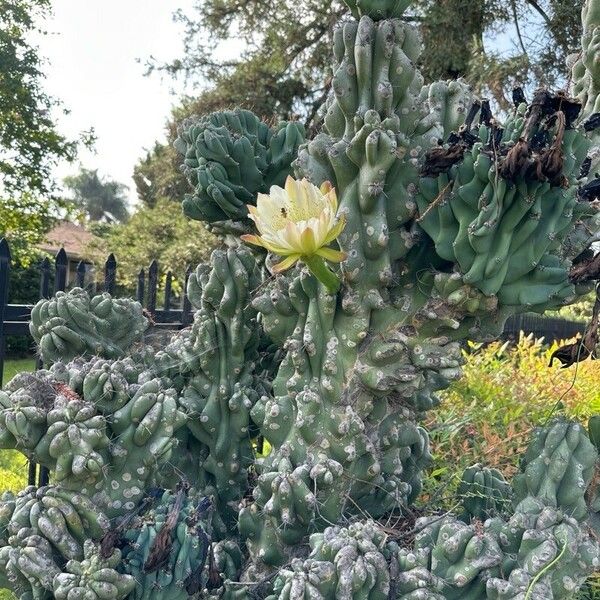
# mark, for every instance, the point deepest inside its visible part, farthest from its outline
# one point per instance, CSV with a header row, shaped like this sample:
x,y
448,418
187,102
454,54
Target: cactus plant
x,y
265,450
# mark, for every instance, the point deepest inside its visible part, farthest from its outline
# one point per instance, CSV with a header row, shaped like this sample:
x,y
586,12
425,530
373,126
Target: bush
x,y
160,233
487,416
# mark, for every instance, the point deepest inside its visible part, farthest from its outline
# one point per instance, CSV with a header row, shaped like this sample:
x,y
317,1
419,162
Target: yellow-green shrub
x,y
507,389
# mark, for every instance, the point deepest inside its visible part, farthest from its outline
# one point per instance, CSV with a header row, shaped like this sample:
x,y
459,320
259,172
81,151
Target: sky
x,y
92,50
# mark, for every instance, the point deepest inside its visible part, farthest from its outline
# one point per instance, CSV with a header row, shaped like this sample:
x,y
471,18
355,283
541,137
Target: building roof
x,y
70,236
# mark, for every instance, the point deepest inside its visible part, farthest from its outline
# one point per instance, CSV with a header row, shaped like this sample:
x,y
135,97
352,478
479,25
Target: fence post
x,y
186,306
152,286
110,273
81,274
60,265
44,293
168,281
4,273
141,284
60,283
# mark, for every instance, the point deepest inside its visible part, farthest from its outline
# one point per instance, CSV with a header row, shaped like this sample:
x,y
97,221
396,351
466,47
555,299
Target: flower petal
x,y
286,263
332,255
335,231
264,243
307,238
252,239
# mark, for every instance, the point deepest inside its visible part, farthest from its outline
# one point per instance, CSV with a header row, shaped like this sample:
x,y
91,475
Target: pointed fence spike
x,y
4,280
110,273
61,257
186,307
5,250
152,286
168,284
60,265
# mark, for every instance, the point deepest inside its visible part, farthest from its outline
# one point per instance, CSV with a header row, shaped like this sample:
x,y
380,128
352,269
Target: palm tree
x,y
100,198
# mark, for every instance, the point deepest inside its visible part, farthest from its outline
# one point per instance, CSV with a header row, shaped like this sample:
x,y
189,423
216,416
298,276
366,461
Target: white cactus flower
x,y
299,222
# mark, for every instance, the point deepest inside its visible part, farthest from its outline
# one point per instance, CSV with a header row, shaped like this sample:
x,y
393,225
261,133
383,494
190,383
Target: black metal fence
x,y
14,318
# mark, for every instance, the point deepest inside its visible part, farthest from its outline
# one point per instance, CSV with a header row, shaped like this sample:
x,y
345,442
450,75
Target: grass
x,y
13,465
17,365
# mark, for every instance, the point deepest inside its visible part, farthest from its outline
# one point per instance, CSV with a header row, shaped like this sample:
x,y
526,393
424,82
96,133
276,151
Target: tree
x,y
157,175
24,221
285,72
100,199
160,233
30,144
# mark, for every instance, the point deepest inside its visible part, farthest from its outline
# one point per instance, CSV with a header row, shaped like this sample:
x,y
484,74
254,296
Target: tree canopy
x,y
30,143
100,199
160,233
24,221
284,70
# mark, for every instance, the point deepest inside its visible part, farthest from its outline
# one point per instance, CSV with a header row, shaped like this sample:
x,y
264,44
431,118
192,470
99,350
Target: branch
x,y
316,105
517,27
541,11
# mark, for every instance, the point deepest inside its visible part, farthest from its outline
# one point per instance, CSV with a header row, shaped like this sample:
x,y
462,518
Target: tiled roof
x,y
70,236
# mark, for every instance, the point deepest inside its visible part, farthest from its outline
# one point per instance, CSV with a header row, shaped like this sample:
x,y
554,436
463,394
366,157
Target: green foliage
x,y
283,74
24,221
98,198
578,311
487,415
158,175
160,233
30,144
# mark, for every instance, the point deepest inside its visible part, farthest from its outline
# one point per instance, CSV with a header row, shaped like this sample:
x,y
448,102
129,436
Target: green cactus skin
x,y
43,530
506,241
93,578
217,359
391,334
344,563
167,549
72,324
378,9
558,468
586,69
411,576
223,574
454,222
484,493
459,555
231,156
29,565
545,551
64,518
